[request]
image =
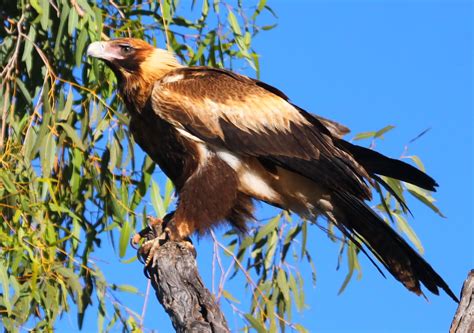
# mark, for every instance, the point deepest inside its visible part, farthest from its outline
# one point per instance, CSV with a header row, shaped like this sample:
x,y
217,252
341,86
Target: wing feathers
x,y
208,95
251,118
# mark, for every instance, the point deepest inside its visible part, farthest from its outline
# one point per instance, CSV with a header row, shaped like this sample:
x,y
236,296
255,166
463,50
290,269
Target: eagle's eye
x,y
126,48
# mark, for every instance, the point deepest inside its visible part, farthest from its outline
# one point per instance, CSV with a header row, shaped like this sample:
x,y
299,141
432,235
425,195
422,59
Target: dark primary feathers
x,y
225,139
376,163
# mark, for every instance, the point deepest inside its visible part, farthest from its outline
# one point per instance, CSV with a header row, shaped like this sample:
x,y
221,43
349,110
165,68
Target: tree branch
x,y
463,321
179,288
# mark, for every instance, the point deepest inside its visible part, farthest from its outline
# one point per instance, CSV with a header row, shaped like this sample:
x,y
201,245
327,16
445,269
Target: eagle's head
x,y
124,55
136,64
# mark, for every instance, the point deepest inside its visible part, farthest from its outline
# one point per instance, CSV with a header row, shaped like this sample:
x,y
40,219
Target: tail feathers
x,y
354,217
376,163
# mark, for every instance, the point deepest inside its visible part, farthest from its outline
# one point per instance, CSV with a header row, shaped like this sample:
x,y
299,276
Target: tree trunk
x,y
179,288
463,321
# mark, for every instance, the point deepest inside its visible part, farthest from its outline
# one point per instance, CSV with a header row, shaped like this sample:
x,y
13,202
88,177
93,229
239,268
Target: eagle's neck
x,y
136,87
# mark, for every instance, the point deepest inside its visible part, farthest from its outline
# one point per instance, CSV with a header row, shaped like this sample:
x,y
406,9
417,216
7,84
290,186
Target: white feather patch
x,y
250,179
188,135
172,78
231,159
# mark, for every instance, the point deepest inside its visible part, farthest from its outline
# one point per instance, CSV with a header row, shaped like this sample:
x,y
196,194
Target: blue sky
x,y
368,64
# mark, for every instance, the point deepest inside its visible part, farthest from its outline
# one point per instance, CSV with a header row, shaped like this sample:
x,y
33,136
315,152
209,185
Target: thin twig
x,y
219,262
78,8
4,113
122,15
55,6
12,62
145,303
254,285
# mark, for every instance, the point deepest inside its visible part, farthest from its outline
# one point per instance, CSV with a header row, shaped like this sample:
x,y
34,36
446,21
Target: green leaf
x,y
98,22
382,131
60,33
229,296
166,10
28,50
364,135
299,302
234,24
85,7
72,134
259,326
48,154
283,285
36,6
258,10
407,230
6,288
396,186
205,8
301,329
7,182
64,114
267,228
24,91
424,197
168,194
272,247
304,229
157,200
215,4
289,239
125,288
353,264
417,161
269,27
81,42
125,233
72,21
45,15
60,209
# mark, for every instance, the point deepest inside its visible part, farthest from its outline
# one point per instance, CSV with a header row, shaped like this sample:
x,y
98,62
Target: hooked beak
x,y
102,50
96,49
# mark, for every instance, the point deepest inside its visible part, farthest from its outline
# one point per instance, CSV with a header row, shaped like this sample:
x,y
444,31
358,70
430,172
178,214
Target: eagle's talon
x,y
135,240
154,245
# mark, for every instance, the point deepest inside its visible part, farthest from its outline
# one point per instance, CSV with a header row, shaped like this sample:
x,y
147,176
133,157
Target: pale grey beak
x,y
96,50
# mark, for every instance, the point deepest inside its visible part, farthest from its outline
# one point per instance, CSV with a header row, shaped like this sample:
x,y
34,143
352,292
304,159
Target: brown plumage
x,y
225,139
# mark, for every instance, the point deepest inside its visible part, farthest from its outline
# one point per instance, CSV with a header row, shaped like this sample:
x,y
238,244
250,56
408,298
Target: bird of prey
x,y
225,139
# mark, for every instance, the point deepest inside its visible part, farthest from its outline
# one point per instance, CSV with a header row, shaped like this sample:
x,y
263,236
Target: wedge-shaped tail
x,y
354,217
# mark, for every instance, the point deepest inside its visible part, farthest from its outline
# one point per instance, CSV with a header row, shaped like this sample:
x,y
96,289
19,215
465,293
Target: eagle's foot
x,y
158,232
151,247
179,233
150,232
154,238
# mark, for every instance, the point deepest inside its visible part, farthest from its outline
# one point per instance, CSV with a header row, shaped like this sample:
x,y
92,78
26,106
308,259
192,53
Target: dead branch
x,y
463,321
179,288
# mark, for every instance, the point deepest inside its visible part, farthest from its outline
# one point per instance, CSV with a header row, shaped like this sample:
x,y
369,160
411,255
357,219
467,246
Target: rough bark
x,y
463,321
179,288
